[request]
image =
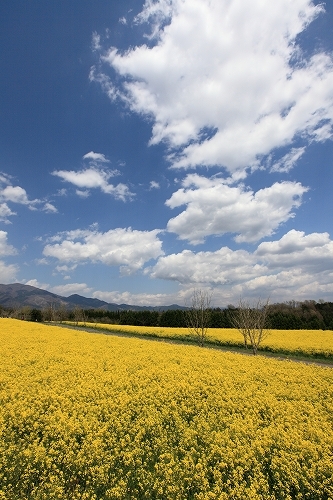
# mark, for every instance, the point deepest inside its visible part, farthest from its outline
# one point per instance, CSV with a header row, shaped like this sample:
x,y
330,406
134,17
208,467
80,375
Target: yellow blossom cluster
x,y
314,343
98,417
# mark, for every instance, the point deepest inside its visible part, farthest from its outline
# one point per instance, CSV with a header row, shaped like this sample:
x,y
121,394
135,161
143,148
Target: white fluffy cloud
x,y
127,248
295,249
143,299
5,249
222,267
14,194
8,272
17,194
5,212
225,82
70,288
95,176
96,157
297,264
214,208
50,208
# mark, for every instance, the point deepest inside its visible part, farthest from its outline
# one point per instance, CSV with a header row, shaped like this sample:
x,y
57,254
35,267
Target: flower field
x,y
86,416
314,343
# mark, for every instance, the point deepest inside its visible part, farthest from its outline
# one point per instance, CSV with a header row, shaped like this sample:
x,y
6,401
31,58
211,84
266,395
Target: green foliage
x,y
139,318
173,319
307,315
36,315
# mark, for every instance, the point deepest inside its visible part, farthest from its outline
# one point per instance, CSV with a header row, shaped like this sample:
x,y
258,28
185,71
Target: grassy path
x,y
209,345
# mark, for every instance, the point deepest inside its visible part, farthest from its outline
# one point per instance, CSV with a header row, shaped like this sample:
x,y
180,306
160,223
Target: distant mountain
x,y
17,295
86,303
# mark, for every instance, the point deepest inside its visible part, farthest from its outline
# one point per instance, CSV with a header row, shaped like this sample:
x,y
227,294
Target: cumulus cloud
x,y
8,272
296,265
214,208
95,176
222,267
50,208
15,194
127,248
71,288
225,84
5,212
141,299
295,249
18,195
5,249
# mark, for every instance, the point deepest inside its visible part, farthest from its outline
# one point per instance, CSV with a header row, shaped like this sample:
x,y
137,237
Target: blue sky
x,y
150,148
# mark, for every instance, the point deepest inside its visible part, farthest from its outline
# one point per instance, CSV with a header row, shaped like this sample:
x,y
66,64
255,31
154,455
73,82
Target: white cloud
x,y
16,194
222,267
127,248
5,212
140,299
288,161
37,284
95,75
89,178
5,178
61,192
96,157
5,249
50,208
65,268
154,185
214,208
225,82
96,41
297,265
71,288
295,249
92,178
82,194
8,272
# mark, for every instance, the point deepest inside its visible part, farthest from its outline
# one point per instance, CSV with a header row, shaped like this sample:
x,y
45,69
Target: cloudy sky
x,y
152,147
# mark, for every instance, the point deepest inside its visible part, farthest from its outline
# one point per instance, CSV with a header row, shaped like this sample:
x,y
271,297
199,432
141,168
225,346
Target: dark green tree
x,y
36,315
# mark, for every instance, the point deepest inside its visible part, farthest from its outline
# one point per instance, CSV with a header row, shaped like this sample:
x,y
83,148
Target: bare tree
x,y
62,313
49,312
197,316
252,322
79,315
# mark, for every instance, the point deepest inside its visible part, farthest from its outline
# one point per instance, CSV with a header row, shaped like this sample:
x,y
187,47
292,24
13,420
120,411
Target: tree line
x,y
292,315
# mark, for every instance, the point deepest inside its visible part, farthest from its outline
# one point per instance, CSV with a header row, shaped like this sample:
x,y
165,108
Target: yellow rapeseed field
x,y
86,416
317,343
